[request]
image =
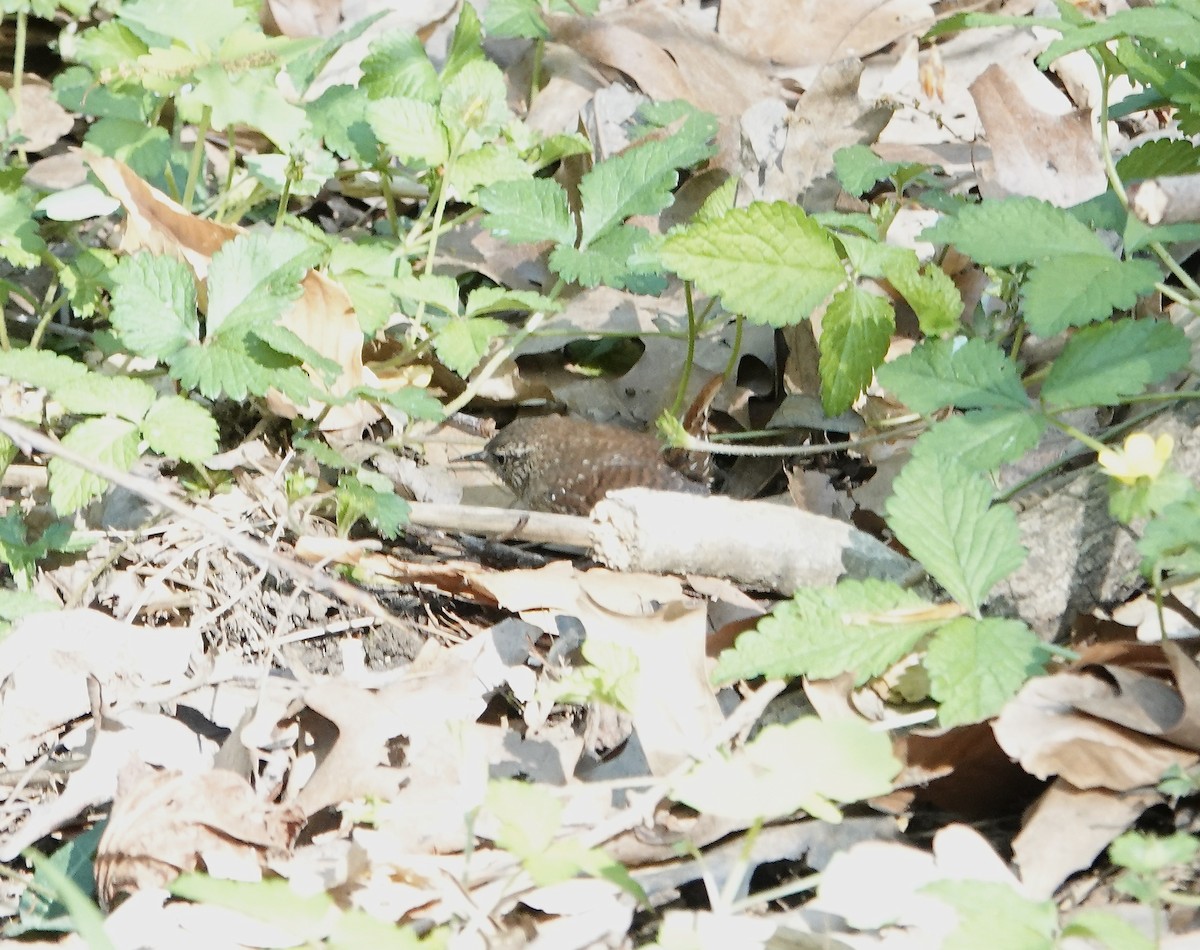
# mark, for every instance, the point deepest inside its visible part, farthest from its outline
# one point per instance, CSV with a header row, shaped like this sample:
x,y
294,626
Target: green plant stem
x,y
777,893
197,162
1077,434
693,444
389,197
435,227
19,45
46,316
535,72
685,375
472,388
284,197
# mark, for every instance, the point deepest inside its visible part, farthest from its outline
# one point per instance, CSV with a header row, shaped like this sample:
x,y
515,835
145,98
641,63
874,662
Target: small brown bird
x,y
564,465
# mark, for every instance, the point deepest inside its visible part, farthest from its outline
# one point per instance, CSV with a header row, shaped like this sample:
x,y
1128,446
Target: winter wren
x,y
564,465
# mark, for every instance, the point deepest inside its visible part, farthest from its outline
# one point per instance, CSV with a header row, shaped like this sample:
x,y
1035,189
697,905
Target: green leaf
x,y
40,368
855,334
410,129
250,98
182,429
931,293
610,260
1105,929
527,211
466,45
339,118
199,27
640,180
983,440
770,262
1104,364
436,290
515,18
976,666
97,395
396,66
1173,28
85,915
941,511
462,342
483,301
1171,542
994,915
1076,289
968,374
385,510
86,277
154,305
474,106
485,166
858,169
109,440
862,627
1159,157
805,765
20,243
253,278
1015,231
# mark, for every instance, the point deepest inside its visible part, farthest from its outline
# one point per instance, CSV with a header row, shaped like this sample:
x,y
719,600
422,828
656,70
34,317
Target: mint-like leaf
x,y
857,626
253,278
462,342
942,512
984,439
1015,231
976,666
770,262
969,374
154,305
931,294
410,129
527,211
181,429
97,395
1105,364
109,440
1072,290
855,334
40,368
396,66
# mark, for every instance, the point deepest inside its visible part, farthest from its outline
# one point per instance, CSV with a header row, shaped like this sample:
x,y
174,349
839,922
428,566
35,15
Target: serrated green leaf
x,y
976,666
224,367
993,915
40,368
410,129
941,511
1104,364
154,305
20,242
253,278
86,277
855,334
1077,289
1172,541
1159,157
858,169
968,374
97,395
527,211
385,510
485,166
462,342
640,180
871,258
339,118
196,27
607,261
1015,231
437,290
483,301
417,403
249,98
770,262
984,439
466,45
109,440
515,18
474,105
181,429
396,66
805,765
862,627
932,295
1162,24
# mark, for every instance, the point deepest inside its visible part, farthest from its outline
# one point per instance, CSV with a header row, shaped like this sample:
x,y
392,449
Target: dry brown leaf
x,y
817,32
1044,730
303,17
165,823
1047,155
669,58
1068,828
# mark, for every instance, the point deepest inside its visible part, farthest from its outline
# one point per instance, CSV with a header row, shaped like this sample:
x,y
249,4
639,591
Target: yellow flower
x,y
1142,456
